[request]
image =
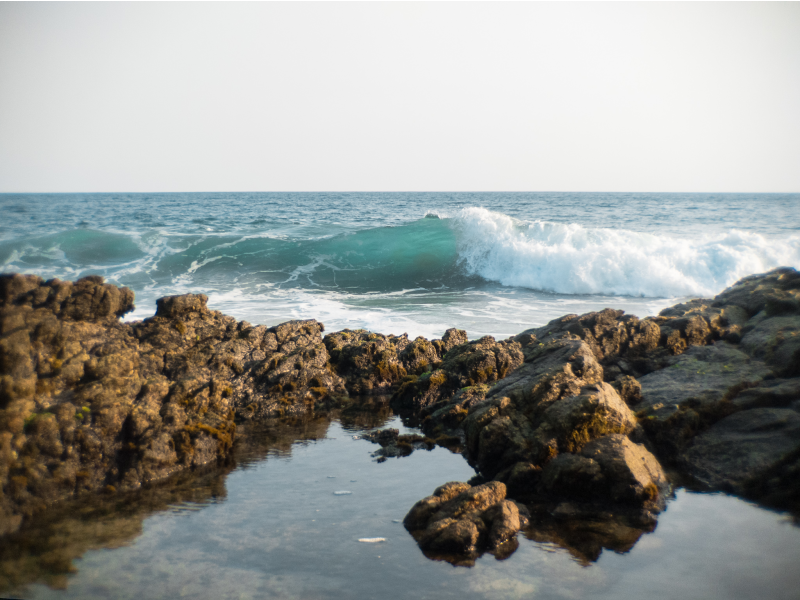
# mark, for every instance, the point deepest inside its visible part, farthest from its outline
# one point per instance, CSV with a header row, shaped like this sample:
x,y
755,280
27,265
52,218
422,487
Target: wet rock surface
x,y
395,445
574,419
465,365
88,403
459,522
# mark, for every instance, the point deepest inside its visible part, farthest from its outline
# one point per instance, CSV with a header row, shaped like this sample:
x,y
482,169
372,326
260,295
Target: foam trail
x,y
572,259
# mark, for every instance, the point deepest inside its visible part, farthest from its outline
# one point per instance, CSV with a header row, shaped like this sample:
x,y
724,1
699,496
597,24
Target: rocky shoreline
x,y
589,417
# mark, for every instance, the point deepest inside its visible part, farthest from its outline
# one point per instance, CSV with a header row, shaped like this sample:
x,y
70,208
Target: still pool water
x,y
270,526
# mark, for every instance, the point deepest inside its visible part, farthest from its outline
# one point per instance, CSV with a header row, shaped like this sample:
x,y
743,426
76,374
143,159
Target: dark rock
x,y
556,402
776,292
705,374
420,356
460,520
368,361
89,403
372,363
618,341
88,299
395,445
742,446
629,389
479,362
777,393
775,340
610,470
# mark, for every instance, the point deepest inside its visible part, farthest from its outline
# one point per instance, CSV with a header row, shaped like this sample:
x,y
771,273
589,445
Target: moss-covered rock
x,y
465,365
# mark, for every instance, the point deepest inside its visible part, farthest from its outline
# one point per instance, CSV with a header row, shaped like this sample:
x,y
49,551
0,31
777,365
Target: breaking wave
x,y
572,259
455,251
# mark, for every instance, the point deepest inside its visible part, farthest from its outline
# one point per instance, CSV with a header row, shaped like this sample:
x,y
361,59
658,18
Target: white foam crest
x,y
572,259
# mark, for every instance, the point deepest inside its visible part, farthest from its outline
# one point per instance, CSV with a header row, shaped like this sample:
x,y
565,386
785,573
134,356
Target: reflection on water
x,y
45,549
271,525
585,539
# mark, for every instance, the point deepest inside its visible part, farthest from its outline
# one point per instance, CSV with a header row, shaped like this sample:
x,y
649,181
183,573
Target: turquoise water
x,y
489,263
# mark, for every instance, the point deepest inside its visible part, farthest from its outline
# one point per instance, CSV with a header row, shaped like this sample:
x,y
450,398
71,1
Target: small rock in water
x,y
342,493
371,540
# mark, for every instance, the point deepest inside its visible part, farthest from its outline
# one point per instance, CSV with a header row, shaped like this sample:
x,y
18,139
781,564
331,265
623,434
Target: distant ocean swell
x,y
457,251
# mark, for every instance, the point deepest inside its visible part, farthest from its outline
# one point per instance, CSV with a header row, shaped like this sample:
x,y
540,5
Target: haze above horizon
x,y
141,97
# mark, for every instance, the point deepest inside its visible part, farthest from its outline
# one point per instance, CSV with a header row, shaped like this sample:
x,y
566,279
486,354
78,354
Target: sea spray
x,y
572,259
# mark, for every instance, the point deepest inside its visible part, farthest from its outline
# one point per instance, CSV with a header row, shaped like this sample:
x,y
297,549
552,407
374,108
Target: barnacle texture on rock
x,y
459,522
90,403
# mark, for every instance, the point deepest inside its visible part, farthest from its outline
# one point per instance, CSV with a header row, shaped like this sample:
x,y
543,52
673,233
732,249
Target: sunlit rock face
x,y
459,522
574,418
714,384
88,403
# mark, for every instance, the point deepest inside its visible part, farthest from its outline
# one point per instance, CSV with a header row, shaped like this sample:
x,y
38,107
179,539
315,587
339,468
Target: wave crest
x,y
572,259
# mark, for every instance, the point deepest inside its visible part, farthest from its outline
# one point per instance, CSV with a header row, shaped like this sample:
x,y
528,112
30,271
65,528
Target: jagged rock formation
x,y
465,365
568,417
373,363
714,384
89,403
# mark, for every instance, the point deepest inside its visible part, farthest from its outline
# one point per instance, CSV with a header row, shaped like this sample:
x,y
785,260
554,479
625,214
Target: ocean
x,y
419,263
284,518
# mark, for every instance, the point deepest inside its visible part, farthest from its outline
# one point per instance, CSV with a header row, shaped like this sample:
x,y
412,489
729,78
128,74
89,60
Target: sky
x,y
302,96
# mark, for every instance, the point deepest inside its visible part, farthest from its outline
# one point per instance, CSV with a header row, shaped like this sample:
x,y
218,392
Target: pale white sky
x,y
400,96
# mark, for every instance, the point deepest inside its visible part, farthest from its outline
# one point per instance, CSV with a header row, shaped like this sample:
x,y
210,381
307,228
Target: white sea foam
x,y
572,259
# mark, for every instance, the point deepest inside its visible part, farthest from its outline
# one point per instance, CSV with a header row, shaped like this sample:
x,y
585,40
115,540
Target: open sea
x,y
489,263
277,523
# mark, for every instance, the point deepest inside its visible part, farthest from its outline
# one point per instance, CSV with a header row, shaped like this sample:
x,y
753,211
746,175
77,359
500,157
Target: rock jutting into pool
x,y
571,421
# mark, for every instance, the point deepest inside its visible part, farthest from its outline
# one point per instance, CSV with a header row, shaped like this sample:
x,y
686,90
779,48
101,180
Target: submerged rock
x,y
394,445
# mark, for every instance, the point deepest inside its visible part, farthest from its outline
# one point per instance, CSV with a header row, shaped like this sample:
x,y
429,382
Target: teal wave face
x,y
421,254
81,248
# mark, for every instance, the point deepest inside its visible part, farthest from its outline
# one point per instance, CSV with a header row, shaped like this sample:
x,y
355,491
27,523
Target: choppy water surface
x,y
489,263
273,528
